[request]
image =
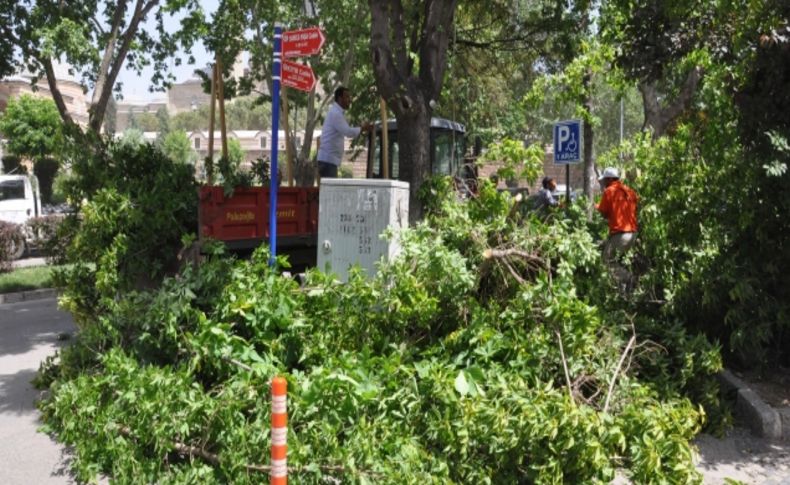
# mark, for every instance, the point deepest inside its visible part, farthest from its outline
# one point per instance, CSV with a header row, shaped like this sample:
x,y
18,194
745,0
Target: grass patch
x,y
23,279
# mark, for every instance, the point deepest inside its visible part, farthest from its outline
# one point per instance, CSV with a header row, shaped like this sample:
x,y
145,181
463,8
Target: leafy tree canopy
x,y
97,39
32,127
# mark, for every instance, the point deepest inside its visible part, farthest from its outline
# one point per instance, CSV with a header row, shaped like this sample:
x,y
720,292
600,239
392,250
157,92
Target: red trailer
x,y
242,219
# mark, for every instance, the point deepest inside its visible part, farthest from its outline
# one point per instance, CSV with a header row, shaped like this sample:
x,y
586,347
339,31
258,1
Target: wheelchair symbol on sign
x,y
572,146
568,139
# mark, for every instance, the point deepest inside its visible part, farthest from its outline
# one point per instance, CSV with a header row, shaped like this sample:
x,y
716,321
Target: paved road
x,y
740,456
28,333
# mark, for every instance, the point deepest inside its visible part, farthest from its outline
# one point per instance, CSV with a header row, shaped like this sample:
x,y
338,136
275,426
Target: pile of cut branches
x,y
488,351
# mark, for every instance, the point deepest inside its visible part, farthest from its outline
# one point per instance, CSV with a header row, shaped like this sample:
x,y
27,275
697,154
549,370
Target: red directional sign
x,y
303,42
297,76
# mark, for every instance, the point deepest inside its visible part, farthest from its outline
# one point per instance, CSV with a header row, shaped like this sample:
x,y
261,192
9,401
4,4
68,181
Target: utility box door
x,y
352,216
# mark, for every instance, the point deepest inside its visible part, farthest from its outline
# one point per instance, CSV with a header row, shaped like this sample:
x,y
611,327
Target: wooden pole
x,y
221,96
385,159
289,153
210,161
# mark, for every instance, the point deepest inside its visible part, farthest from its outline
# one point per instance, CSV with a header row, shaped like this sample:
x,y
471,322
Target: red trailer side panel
x,y
245,214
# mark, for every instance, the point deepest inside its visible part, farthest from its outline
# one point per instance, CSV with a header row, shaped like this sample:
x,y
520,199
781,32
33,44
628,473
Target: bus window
x,y
447,146
392,153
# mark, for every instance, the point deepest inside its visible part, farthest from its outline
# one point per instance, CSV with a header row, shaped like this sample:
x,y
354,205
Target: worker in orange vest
x,y
618,206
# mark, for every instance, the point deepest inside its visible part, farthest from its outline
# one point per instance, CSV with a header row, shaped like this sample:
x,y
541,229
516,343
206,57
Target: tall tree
x,y
655,43
408,45
346,26
97,38
32,127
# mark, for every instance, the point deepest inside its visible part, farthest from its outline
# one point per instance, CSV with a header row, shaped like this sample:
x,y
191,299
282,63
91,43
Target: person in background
x,y
618,205
334,132
545,197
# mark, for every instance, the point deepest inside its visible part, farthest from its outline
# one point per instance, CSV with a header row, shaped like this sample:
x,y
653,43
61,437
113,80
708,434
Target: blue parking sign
x,y
568,142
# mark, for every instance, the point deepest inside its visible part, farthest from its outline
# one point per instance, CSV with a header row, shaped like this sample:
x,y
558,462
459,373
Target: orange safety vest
x,y
618,206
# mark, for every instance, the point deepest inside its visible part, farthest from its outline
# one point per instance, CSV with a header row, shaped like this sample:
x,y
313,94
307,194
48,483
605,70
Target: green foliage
x,y
231,170
242,113
97,38
132,137
135,204
714,212
23,279
31,127
177,146
345,172
446,367
518,162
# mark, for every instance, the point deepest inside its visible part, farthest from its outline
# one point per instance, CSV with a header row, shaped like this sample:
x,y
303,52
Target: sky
x,y
136,87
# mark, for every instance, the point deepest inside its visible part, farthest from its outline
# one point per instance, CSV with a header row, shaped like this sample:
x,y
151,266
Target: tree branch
x,y
435,40
214,459
631,342
400,52
57,96
565,368
660,118
100,108
109,51
388,78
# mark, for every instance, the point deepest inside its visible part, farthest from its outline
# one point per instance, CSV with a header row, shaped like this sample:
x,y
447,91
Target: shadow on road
x,y
26,326
17,394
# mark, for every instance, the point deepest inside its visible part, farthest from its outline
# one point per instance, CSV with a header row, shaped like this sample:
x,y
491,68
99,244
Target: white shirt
x,y
332,133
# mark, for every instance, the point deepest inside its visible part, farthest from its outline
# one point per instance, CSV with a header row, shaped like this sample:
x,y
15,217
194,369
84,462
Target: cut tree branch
x,y
215,460
565,368
631,342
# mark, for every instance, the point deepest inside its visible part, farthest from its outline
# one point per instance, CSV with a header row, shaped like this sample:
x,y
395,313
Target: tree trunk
x,y
109,52
658,117
99,106
408,92
57,96
414,157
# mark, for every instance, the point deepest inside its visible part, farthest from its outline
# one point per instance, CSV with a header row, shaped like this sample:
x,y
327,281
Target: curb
x,y
19,296
763,420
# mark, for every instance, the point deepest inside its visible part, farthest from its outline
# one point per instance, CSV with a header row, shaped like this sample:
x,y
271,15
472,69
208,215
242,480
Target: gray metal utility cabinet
x,y
352,216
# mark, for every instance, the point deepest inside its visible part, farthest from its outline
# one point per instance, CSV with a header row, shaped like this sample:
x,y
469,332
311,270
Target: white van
x,y
20,200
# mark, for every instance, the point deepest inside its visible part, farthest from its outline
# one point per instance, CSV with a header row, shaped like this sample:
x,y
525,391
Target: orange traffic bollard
x,y
279,472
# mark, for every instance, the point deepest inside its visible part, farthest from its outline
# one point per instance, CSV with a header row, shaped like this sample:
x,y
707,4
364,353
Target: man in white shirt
x,y
333,133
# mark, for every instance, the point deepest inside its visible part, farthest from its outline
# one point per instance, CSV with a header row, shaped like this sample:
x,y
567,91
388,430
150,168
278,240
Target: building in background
x,y
180,97
258,144
73,92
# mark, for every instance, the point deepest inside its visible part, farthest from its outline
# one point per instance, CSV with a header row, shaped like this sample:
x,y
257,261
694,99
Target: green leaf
x,y
461,385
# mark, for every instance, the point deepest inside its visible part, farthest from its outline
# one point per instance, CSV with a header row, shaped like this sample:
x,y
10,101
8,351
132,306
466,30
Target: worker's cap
x,y
610,173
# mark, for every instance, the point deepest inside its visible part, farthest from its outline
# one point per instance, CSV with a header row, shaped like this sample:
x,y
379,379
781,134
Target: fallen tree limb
x,y
565,367
617,372
508,253
214,459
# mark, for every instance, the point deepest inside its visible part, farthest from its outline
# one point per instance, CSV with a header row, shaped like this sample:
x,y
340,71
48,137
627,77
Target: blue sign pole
x,y
278,33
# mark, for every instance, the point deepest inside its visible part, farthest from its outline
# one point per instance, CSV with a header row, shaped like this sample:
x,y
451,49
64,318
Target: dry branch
x,y
214,459
565,367
617,372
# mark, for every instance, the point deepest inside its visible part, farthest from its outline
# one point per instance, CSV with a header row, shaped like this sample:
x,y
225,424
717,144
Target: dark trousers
x,y
327,170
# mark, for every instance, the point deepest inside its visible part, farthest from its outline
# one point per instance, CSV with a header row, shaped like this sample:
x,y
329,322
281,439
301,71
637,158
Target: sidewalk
x,y
28,263
29,333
